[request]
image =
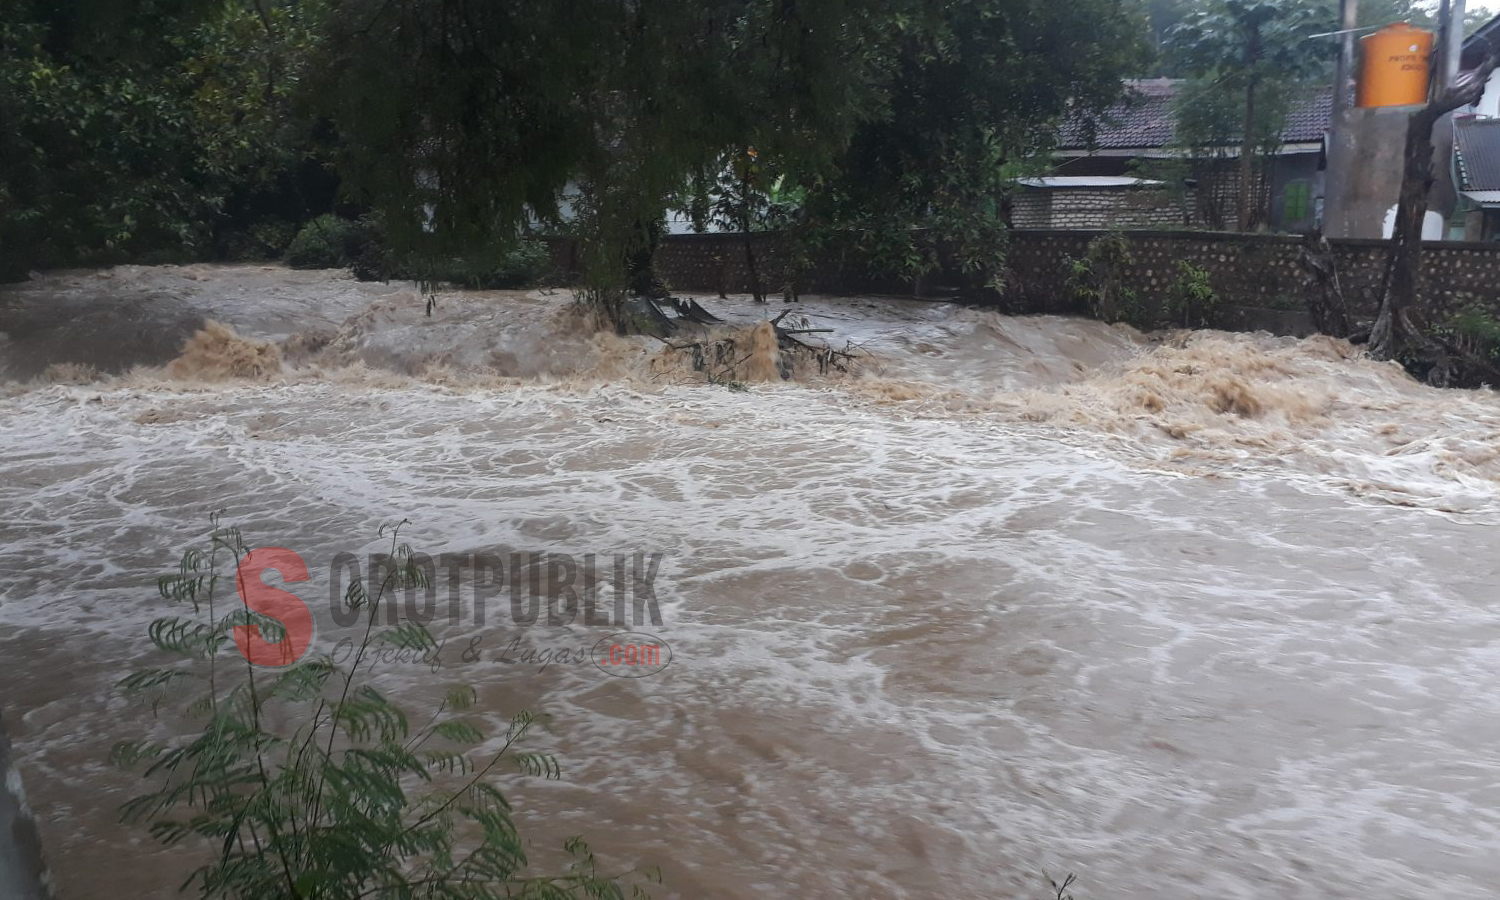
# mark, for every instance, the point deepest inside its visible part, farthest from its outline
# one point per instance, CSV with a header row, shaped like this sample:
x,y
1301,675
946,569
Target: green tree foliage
x,y
467,123
1423,15
972,91
1161,17
468,119
1166,14
1192,301
327,242
1260,50
129,126
1095,279
307,783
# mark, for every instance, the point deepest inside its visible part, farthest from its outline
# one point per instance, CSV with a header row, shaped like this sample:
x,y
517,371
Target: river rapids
x,y
1190,614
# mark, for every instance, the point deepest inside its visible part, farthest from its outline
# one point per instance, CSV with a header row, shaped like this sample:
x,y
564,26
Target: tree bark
x,y
641,267
1329,312
1247,146
753,270
746,221
1396,331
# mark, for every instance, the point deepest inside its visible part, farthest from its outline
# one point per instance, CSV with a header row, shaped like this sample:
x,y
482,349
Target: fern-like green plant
x,y
306,782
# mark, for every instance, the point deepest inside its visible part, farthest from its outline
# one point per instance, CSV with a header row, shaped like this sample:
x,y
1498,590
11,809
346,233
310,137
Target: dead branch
x,y
1329,311
719,358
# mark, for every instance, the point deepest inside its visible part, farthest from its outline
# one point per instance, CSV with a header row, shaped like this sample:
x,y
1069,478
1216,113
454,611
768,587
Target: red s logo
x,y
280,605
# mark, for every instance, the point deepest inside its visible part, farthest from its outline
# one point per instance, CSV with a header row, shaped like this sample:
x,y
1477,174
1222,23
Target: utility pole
x,y
1344,70
1453,42
1338,157
1443,196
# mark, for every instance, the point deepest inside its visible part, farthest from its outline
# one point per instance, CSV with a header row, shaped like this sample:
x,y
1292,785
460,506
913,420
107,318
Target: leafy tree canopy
x,y
970,96
1261,50
467,122
465,117
129,126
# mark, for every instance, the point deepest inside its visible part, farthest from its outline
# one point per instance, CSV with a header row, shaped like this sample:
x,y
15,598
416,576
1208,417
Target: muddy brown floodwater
x,y
1188,615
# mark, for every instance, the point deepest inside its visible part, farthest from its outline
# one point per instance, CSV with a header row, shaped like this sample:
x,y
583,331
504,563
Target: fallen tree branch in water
x,y
723,359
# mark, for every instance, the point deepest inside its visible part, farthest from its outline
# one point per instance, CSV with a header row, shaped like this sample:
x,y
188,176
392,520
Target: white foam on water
x,y
981,609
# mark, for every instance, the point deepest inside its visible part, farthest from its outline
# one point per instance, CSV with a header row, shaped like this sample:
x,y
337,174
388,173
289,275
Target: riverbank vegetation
x,y
437,140
169,130
305,781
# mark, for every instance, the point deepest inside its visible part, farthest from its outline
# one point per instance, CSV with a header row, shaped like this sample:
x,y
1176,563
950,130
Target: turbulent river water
x,y
1189,615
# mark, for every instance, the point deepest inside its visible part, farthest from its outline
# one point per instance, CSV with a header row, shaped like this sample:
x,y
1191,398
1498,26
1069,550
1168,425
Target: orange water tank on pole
x,y
1394,66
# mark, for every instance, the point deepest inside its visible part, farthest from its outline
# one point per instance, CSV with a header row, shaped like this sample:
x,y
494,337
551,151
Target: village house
x,y
1129,169
1475,173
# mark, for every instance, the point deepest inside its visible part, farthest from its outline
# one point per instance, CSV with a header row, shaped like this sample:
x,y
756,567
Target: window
x,y
1296,202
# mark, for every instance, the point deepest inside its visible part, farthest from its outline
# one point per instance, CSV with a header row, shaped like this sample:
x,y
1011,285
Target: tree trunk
x,y
641,267
1326,304
1247,146
754,270
745,223
1395,332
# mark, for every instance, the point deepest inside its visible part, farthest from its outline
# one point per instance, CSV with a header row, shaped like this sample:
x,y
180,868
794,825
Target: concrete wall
x,y
1258,274
1254,271
1364,170
1258,278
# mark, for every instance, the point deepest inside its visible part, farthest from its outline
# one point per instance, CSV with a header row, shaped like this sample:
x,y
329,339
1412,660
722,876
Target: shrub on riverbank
x,y
305,781
328,242
510,267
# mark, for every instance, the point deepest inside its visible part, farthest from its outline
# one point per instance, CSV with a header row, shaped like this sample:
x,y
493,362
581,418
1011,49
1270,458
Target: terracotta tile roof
x,y
1144,119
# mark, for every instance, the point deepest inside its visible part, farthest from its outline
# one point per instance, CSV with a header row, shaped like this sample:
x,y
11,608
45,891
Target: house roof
x,y
1476,150
1309,117
1142,118
1085,181
1489,199
1145,119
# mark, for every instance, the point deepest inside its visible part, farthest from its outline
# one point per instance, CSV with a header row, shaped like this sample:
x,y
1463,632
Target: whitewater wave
x,y
1011,593
1193,402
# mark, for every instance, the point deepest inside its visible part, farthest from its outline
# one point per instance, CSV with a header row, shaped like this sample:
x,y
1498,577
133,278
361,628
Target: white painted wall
x,y
1434,227
1489,102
